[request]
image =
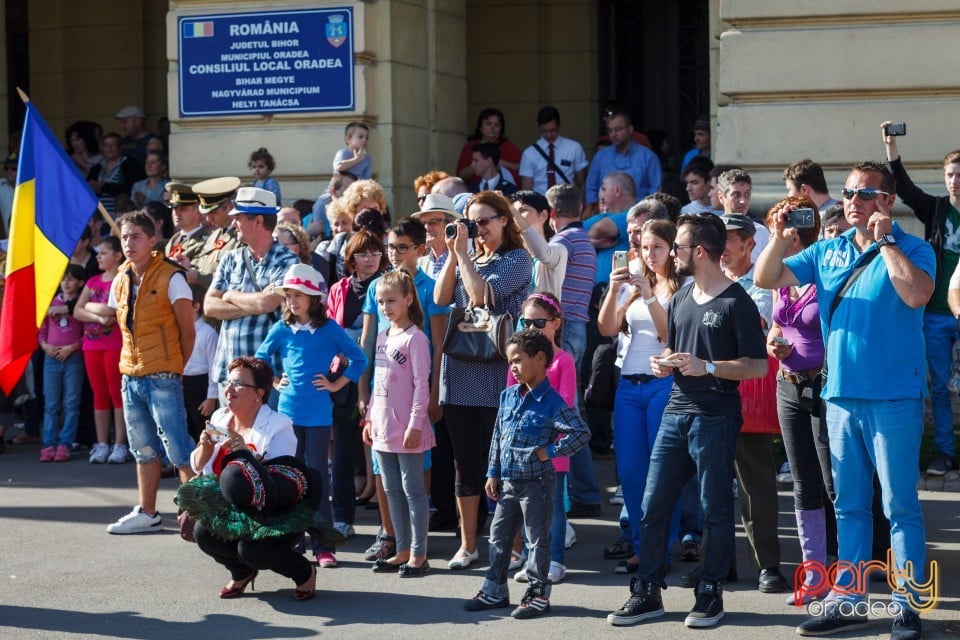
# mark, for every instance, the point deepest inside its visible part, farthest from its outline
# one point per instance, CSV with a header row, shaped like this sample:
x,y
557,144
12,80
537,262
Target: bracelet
x,y
649,301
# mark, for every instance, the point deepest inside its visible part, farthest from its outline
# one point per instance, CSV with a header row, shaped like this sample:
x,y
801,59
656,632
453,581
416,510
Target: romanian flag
x,y
51,205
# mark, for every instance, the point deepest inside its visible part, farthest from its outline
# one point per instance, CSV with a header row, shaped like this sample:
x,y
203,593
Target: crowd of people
x,y
324,356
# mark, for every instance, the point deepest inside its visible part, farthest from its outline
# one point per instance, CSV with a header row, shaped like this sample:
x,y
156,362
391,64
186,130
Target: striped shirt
x,y
581,270
478,384
242,336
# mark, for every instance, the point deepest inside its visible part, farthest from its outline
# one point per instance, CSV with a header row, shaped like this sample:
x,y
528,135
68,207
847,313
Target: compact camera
x,y
451,229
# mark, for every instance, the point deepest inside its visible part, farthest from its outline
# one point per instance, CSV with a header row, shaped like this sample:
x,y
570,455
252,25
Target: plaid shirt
x,y
528,421
242,336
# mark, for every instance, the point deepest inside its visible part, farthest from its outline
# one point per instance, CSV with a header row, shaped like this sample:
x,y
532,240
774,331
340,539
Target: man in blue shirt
x,y
624,155
874,391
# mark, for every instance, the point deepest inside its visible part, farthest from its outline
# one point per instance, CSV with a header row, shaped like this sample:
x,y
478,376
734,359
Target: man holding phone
x,y
714,340
941,228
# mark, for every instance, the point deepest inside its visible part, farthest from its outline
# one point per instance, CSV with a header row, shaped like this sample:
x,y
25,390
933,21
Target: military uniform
x,y
184,244
213,193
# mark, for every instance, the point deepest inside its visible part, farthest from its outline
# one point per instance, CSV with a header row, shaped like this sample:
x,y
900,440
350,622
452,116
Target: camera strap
x,y
856,273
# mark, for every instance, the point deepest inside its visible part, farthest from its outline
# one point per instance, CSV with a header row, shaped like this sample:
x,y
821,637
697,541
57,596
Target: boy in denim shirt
x,y
520,476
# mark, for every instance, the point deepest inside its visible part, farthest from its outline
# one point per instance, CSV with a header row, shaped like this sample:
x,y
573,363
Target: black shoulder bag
x,y
551,165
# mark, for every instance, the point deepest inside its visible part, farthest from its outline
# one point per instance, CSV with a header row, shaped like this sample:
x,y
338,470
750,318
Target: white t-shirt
x,y
633,355
178,290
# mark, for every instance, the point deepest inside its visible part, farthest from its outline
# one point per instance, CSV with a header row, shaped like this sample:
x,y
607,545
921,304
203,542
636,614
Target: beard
x,y
685,270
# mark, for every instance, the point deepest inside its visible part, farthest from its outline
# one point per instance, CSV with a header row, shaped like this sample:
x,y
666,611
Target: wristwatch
x,y
710,368
886,239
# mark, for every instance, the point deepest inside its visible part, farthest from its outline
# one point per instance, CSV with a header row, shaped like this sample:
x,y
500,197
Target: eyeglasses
x,y
539,323
236,385
369,256
483,222
401,248
434,222
677,247
865,194
615,129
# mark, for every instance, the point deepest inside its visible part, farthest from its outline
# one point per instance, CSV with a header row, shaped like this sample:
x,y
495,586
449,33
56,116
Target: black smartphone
x,y
895,129
799,219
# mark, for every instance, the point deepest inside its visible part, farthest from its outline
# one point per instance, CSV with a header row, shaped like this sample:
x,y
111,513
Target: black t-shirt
x,y
726,327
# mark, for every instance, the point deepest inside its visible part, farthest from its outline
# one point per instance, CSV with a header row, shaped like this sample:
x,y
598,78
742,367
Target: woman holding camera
x,y
497,274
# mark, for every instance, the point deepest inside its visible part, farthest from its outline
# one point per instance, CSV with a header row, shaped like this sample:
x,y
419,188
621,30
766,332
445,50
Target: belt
x,y
638,378
797,377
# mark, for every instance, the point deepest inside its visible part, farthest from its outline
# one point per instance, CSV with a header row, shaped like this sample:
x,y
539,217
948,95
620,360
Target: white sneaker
x,y
784,476
346,530
557,572
521,576
99,453
137,521
119,454
570,538
617,497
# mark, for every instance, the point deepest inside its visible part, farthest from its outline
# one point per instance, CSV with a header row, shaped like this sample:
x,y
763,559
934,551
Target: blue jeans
x,y
156,418
574,339
637,410
558,526
62,385
687,445
882,435
939,332
312,446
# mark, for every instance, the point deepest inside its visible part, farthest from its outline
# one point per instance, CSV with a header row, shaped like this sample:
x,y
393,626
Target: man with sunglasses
x,y
877,379
941,228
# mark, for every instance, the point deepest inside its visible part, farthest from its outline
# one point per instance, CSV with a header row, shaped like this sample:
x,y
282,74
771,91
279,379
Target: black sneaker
x,y
644,603
482,602
708,609
690,551
906,626
940,465
619,550
831,622
535,602
772,581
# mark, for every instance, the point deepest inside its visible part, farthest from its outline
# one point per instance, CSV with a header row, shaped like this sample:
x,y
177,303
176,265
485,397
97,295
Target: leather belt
x,y
798,377
638,378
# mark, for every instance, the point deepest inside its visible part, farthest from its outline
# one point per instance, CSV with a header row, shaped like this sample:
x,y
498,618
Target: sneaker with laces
x,y
785,476
483,602
906,626
99,453
62,454
535,602
119,454
708,608
617,497
940,465
557,572
831,622
47,454
644,603
345,529
137,521
569,537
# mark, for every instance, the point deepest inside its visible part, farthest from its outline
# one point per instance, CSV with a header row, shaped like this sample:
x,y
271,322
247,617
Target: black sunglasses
x,y
539,323
865,194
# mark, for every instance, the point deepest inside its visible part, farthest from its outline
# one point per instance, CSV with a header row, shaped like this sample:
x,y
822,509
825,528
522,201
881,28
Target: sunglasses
x,y
677,247
865,194
539,323
483,222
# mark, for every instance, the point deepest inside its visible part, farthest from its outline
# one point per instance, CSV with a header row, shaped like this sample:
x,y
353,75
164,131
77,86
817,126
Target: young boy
x,y
199,392
520,476
354,158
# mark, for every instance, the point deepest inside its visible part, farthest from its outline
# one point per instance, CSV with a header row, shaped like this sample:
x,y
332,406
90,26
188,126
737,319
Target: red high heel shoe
x,y
235,592
307,594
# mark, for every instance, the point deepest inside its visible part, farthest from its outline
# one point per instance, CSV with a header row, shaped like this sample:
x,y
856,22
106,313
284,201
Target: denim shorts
x,y
156,418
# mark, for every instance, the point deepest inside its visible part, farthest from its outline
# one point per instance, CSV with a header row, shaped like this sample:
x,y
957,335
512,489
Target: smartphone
x,y
783,342
217,433
667,362
620,259
799,219
895,129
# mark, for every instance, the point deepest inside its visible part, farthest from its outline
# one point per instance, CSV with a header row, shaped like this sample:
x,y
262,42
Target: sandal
x,y
239,587
307,593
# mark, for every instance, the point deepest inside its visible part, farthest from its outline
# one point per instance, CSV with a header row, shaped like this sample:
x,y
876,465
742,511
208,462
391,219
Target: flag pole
x,y
100,207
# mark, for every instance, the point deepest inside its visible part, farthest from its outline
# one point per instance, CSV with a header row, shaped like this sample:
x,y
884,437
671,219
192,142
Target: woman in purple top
x,y
796,341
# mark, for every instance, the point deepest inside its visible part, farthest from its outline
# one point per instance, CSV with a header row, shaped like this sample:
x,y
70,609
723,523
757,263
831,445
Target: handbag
x,y
477,334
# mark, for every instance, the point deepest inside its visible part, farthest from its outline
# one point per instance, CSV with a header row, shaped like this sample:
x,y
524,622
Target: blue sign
x,y
277,62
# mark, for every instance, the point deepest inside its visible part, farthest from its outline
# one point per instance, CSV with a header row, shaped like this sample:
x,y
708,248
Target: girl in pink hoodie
x,y
397,426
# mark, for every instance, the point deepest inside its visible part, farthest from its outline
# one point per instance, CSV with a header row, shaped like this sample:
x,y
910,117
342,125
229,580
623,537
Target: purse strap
x,y
856,273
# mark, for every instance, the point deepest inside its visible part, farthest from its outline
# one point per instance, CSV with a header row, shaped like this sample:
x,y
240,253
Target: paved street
x,y
63,576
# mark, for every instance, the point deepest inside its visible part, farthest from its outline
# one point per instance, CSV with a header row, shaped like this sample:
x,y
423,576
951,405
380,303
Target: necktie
x,y
551,176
